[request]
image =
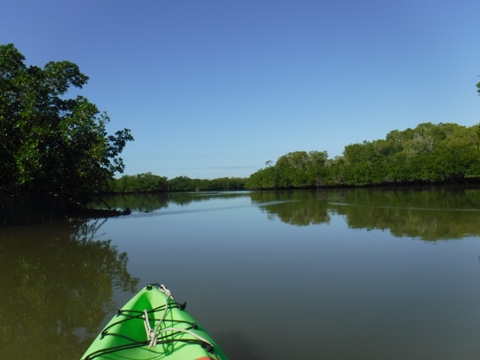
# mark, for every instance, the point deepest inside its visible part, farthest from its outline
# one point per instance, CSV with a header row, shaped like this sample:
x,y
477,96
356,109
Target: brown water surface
x,y
338,274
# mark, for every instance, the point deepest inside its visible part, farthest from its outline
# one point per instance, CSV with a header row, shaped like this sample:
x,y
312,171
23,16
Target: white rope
x,y
153,339
167,292
151,335
188,332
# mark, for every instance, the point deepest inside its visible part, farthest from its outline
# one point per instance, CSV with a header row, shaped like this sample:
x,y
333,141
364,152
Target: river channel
x,y
335,274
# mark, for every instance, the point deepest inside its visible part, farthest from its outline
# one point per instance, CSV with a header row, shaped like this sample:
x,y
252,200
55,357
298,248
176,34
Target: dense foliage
x,y
184,183
143,183
149,183
429,153
295,170
54,151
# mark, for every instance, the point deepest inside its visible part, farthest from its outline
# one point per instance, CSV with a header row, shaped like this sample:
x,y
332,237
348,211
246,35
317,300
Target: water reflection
x,y
299,208
154,202
60,281
429,214
140,202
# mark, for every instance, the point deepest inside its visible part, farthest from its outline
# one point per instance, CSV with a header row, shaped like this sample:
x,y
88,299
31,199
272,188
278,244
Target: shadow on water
x,y
238,346
57,282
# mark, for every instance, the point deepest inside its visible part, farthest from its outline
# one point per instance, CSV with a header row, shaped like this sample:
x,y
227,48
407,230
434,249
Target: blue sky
x,y
214,88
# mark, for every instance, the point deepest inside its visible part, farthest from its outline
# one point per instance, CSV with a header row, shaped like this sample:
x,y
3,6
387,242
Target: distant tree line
x,y
56,155
150,183
429,153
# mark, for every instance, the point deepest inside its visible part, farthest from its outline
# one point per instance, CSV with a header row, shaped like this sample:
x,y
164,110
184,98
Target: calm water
x,y
356,274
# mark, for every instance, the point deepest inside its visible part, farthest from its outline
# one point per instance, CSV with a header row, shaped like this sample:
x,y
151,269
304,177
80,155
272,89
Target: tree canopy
x,y
429,153
149,183
55,152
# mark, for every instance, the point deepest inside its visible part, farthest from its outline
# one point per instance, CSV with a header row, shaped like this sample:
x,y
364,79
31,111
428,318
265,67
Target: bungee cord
x,y
155,336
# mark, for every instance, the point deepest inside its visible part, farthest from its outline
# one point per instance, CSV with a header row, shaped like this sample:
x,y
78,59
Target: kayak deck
x,y
153,326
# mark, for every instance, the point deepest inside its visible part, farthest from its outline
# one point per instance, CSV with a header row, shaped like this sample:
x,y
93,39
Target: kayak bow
x,y
153,326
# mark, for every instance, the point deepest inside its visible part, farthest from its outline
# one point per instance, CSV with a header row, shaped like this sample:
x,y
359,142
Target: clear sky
x,y
215,88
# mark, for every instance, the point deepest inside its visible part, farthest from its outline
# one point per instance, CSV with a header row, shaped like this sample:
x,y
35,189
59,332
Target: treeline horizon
x,y
57,156
150,183
444,153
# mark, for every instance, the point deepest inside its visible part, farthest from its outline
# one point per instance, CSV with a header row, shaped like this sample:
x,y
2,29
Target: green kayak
x,y
152,325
